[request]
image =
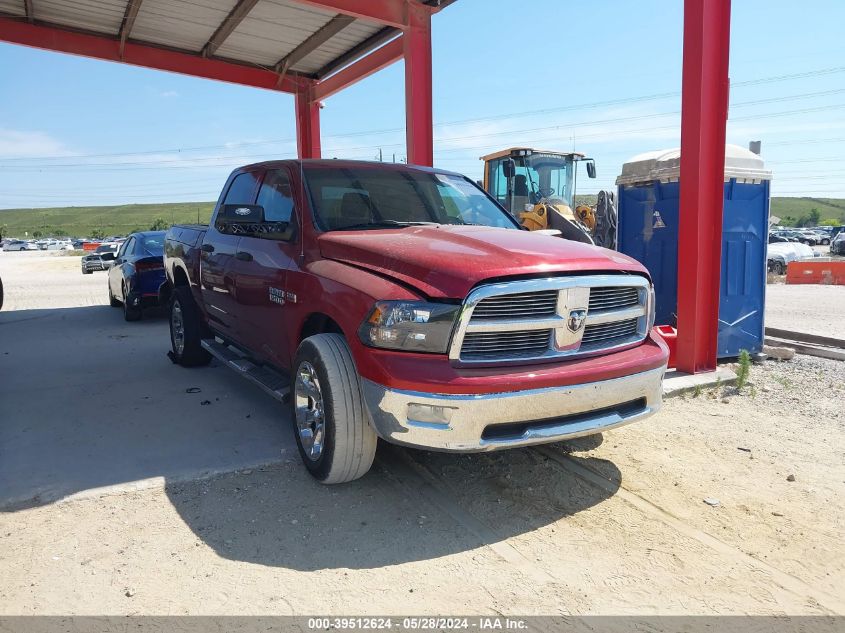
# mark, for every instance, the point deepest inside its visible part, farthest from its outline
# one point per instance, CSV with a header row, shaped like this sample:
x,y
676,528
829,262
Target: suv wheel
x,y
187,330
334,437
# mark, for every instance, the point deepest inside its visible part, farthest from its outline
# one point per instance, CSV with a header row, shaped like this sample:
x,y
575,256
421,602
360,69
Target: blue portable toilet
x,y
648,197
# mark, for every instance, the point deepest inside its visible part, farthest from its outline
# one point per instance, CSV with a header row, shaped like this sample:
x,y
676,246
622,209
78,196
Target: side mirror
x,y
509,168
591,169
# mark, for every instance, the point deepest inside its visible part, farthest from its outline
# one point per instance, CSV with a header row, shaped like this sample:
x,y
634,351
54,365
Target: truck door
x,y
218,266
263,299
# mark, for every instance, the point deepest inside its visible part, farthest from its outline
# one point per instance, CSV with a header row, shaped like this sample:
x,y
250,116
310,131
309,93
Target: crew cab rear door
x,y
218,263
263,298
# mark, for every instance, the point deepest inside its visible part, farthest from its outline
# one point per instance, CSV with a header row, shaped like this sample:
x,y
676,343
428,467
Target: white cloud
x,y
25,144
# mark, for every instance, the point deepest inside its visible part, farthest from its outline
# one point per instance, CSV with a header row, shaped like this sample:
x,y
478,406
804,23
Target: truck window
x,y
242,189
275,196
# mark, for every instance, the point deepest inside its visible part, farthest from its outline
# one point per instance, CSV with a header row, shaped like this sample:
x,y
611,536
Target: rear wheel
x,y
85,271
187,330
334,437
131,312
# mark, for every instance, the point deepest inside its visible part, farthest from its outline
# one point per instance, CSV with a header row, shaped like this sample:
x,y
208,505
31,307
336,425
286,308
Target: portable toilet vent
x,y
648,231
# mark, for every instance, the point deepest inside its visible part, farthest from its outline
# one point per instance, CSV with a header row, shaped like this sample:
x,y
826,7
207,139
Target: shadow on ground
x,y
281,517
89,401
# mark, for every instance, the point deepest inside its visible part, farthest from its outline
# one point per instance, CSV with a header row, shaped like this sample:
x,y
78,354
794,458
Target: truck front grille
x,y
550,319
518,305
605,333
613,297
492,345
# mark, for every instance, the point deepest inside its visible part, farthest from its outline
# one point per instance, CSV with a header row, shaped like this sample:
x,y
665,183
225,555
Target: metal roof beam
x,y
235,17
359,50
97,46
364,67
27,6
387,12
132,8
314,41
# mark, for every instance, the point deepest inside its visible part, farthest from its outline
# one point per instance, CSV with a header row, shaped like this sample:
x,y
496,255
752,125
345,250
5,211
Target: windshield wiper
x,y
382,224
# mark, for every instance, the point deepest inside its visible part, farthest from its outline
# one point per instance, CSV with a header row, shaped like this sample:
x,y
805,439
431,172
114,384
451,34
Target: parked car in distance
x,y
101,259
776,238
401,302
14,245
137,273
837,246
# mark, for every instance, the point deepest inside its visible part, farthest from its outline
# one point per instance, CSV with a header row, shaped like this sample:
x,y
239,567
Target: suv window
x,y
242,189
275,196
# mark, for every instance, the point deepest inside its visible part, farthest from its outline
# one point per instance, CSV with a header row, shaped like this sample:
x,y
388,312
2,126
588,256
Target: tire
x,y
348,444
779,268
190,353
114,303
85,271
130,312
825,242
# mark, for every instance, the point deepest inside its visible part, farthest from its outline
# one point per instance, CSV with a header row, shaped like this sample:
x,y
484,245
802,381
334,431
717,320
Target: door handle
x,y
243,256
207,248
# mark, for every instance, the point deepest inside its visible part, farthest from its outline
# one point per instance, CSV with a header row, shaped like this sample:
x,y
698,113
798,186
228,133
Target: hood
x,y
447,261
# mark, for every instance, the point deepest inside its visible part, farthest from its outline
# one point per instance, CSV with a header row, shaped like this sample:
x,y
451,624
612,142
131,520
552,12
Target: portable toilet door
x,y
648,195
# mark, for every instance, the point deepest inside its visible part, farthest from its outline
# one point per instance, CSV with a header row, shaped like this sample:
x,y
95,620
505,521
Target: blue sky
x,y
602,77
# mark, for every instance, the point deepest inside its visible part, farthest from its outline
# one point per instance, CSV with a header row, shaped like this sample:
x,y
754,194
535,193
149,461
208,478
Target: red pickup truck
x,y
403,303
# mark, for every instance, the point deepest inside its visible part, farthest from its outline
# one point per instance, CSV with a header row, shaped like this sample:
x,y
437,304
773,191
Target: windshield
x,y
550,176
106,249
347,198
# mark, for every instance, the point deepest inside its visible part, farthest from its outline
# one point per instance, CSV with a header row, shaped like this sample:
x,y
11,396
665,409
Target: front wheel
x,y
187,330
114,303
334,437
825,242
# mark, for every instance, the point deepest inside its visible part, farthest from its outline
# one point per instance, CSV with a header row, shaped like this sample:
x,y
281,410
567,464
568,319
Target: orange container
x,y
814,272
670,335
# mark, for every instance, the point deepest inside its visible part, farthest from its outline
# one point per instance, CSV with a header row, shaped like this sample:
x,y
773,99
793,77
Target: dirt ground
x,y
613,525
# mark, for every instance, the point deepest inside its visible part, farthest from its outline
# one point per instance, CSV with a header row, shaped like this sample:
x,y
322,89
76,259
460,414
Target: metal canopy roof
x,y
292,38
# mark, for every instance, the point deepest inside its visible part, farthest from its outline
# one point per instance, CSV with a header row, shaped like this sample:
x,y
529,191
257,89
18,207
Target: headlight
x,y
414,326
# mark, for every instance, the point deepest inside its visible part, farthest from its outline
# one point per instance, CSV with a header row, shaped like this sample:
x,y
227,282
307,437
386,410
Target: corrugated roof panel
x,y
349,37
102,16
12,7
271,30
186,24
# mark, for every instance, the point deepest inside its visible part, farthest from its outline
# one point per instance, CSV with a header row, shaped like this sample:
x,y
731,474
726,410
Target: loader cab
x,y
517,177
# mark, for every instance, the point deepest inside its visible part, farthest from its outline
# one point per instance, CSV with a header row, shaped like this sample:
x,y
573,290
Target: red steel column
x,y
704,114
307,122
418,109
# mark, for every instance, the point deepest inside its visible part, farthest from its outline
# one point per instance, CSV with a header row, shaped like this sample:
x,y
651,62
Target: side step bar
x,y
274,383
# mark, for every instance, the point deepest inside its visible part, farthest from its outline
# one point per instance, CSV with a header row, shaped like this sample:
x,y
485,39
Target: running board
x,y
274,383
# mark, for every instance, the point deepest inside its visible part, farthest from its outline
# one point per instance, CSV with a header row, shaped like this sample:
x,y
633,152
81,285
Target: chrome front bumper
x,y
468,423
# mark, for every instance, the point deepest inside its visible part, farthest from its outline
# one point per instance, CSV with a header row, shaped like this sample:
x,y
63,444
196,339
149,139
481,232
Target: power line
x,y
595,104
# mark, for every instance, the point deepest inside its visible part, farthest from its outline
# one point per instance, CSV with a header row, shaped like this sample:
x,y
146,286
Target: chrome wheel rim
x,y
308,405
177,328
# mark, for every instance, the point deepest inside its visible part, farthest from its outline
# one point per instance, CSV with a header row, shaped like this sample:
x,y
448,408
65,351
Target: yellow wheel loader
x,y
538,187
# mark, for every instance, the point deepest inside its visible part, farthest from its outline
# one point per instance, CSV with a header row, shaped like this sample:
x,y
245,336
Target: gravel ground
x,y
806,308
616,524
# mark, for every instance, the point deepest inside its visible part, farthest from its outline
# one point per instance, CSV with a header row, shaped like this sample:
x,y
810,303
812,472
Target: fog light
x,y
429,414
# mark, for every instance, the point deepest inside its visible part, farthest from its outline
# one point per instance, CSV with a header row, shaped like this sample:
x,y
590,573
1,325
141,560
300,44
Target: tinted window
x,y
242,190
275,196
346,197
